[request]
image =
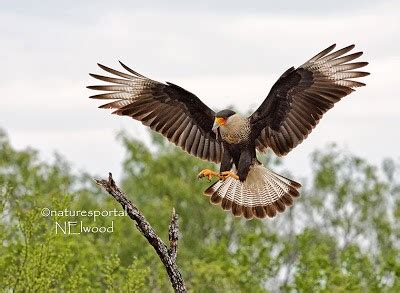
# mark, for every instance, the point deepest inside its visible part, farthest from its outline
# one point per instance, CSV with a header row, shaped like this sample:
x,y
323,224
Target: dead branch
x,y
166,254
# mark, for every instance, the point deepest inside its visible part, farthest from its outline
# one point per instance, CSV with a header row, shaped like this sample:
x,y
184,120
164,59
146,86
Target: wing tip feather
x,y
102,66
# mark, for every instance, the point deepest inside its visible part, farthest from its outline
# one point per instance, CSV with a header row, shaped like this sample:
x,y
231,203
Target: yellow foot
x,y
207,173
226,174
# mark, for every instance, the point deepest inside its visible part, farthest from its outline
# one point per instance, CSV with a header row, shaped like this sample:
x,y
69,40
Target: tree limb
x,y
167,255
173,232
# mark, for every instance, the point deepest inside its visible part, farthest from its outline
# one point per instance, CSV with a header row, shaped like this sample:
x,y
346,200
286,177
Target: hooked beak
x,y
217,123
215,126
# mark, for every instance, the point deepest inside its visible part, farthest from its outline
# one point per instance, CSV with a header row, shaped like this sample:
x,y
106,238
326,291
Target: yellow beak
x,y
218,122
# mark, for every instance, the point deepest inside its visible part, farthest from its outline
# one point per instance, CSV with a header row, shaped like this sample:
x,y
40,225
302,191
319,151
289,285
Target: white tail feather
x,y
263,193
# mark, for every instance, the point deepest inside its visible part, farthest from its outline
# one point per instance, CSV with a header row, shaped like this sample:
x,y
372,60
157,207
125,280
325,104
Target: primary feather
x,y
166,108
301,96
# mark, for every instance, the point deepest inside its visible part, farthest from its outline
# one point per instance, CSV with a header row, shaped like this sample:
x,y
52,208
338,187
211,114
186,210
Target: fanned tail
x,y
263,193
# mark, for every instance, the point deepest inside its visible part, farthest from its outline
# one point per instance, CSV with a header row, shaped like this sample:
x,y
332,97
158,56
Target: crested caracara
x,y
293,107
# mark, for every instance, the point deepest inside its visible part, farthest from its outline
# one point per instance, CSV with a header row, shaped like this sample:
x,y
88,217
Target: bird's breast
x,y
236,134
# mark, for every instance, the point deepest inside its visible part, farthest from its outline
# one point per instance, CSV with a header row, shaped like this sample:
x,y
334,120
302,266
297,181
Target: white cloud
x,y
225,58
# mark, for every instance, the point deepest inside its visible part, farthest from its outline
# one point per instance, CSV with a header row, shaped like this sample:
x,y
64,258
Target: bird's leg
x,y
208,173
226,174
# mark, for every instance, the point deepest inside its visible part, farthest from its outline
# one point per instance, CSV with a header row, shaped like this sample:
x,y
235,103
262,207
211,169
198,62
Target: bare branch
x,y
173,232
167,255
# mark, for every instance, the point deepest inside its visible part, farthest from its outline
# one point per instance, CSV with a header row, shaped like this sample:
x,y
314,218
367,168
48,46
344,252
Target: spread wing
x,y
301,96
166,108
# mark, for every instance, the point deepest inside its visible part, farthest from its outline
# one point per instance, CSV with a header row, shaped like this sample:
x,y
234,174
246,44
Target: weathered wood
x,y
166,254
173,235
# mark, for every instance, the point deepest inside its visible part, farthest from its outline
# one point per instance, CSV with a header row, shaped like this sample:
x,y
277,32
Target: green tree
x,y
33,257
341,235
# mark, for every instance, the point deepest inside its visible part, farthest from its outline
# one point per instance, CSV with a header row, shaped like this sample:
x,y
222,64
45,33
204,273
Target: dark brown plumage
x,y
301,96
293,107
166,108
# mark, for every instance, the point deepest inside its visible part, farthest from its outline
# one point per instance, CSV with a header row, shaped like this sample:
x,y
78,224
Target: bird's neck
x,y
237,130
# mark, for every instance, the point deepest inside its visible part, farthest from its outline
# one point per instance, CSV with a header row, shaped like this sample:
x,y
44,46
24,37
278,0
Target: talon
x,y
207,173
226,174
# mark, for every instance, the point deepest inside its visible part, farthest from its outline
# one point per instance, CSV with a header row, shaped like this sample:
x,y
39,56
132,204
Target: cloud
x,y
228,56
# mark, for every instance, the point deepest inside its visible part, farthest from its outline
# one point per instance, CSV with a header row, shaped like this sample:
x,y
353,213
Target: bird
x,y
291,110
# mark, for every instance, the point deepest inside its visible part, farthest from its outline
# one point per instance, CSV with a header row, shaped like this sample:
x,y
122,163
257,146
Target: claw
x,y
208,173
226,174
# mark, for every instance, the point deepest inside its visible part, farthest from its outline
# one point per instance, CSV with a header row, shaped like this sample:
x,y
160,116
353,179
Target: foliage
x,y
341,235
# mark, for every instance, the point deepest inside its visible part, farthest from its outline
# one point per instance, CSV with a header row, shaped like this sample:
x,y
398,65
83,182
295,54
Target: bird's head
x,y
222,118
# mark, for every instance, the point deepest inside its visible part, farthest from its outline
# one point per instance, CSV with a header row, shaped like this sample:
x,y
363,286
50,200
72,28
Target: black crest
x,y
225,113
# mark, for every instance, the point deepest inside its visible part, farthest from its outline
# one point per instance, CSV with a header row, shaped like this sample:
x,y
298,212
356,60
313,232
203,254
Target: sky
x,y
228,53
